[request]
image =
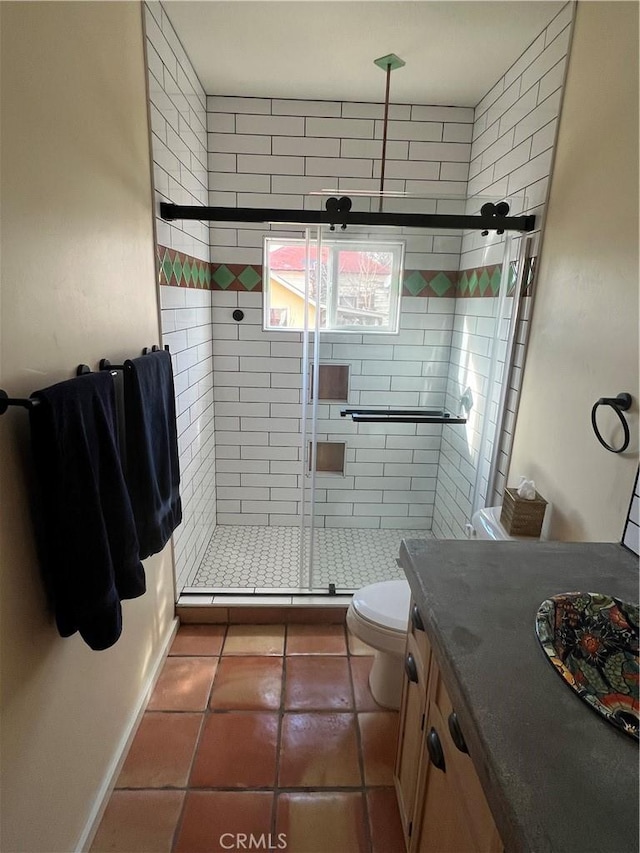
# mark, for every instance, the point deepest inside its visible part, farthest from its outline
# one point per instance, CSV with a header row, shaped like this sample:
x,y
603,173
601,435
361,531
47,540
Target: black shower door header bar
x,y
170,212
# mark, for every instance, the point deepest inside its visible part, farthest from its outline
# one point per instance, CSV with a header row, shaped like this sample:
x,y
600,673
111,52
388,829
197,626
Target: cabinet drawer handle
x,y
456,733
416,619
434,748
411,669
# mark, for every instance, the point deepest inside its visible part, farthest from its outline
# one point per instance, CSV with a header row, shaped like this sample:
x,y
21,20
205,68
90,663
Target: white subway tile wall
x,y
186,325
390,469
177,105
178,141
273,153
631,535
511,154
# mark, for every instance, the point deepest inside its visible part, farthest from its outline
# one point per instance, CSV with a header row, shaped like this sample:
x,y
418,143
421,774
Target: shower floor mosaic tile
x,y
257,558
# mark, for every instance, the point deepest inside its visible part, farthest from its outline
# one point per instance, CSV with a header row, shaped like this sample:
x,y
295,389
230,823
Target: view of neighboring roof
x,y
292,257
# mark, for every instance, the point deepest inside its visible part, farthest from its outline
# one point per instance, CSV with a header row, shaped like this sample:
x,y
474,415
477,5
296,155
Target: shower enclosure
x,y
362,385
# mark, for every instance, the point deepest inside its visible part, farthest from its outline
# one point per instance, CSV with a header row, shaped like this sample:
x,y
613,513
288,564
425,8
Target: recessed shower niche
x,y
333,382
330,457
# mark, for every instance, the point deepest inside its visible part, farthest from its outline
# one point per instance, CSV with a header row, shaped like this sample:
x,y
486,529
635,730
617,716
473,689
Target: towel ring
x,y
619,404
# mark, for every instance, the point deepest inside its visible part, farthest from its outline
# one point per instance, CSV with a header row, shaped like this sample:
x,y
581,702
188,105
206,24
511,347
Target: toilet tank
x,y
485,524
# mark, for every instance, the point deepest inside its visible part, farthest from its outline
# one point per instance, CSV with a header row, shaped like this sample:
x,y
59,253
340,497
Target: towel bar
x,y
105,364
401,416
81,370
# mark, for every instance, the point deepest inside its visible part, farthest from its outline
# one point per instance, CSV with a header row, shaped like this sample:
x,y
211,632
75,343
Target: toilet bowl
x,y
379,614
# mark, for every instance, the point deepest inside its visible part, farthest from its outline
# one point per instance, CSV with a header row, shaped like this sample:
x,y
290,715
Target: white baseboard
x,y
108,784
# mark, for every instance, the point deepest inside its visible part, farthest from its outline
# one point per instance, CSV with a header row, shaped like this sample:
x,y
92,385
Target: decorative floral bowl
x,y
592,641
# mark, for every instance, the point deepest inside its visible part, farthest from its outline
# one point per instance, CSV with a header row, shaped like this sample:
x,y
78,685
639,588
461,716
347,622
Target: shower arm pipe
x,y
518,297
452,221
385,125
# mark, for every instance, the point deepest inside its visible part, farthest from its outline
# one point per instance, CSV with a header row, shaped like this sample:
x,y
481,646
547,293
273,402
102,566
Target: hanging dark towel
x,y
89,547
152,470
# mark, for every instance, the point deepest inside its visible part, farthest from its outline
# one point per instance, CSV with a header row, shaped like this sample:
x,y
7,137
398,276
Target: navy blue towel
x,y
152,470
89,546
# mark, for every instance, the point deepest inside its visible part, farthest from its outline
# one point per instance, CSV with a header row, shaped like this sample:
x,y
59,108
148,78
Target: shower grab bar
x,y
401,416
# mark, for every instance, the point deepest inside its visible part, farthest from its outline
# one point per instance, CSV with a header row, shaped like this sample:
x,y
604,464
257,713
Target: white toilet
x,y
379,614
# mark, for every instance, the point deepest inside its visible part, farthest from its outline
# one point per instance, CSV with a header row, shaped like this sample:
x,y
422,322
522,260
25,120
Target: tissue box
x,y
520,517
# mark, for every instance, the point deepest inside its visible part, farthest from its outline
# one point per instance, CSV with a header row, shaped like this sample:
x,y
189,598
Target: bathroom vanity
x,y
495,751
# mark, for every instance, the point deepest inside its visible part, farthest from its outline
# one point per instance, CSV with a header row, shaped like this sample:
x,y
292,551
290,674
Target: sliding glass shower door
x,y
375,393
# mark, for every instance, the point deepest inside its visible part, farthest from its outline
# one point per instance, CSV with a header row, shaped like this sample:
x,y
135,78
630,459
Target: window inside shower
x,y
353,284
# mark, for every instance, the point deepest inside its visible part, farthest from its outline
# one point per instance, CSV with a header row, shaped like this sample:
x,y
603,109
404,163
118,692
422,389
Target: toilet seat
x,y
379,616
377,636
384,605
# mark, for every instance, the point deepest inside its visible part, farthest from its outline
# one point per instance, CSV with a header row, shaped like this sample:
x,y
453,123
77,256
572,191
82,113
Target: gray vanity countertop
x,y
558,777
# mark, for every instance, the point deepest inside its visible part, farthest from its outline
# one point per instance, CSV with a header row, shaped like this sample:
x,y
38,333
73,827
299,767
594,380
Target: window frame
x,y
397,250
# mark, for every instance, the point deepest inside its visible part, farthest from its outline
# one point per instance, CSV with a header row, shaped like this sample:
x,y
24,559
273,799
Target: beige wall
x,y
77,284
584,340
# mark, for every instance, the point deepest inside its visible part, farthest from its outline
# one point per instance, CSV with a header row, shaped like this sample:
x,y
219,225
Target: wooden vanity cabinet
x,y
442,805
412,721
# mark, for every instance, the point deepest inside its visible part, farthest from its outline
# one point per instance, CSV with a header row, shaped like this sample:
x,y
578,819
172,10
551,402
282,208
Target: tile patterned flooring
x,y
253,557
259,729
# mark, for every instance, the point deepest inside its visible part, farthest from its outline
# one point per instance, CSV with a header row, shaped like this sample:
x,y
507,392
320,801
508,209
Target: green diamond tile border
x,y
222,276
433,283
479,282
177,269
243,277
249,278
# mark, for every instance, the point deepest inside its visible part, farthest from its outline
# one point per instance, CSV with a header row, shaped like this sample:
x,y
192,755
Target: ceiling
x,y
324,49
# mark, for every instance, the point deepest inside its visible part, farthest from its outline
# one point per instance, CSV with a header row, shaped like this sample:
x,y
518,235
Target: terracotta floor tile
x,y
263,615
139,822
254,640
384,821
319,751
360,669
212,820
198,640
161,753
184,684
315,683
357,647
379,734
247,684
322,822
237,749
317,615
316,640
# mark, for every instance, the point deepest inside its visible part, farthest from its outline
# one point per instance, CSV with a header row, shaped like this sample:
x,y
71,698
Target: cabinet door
x,y
442,826
464,780
414,694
